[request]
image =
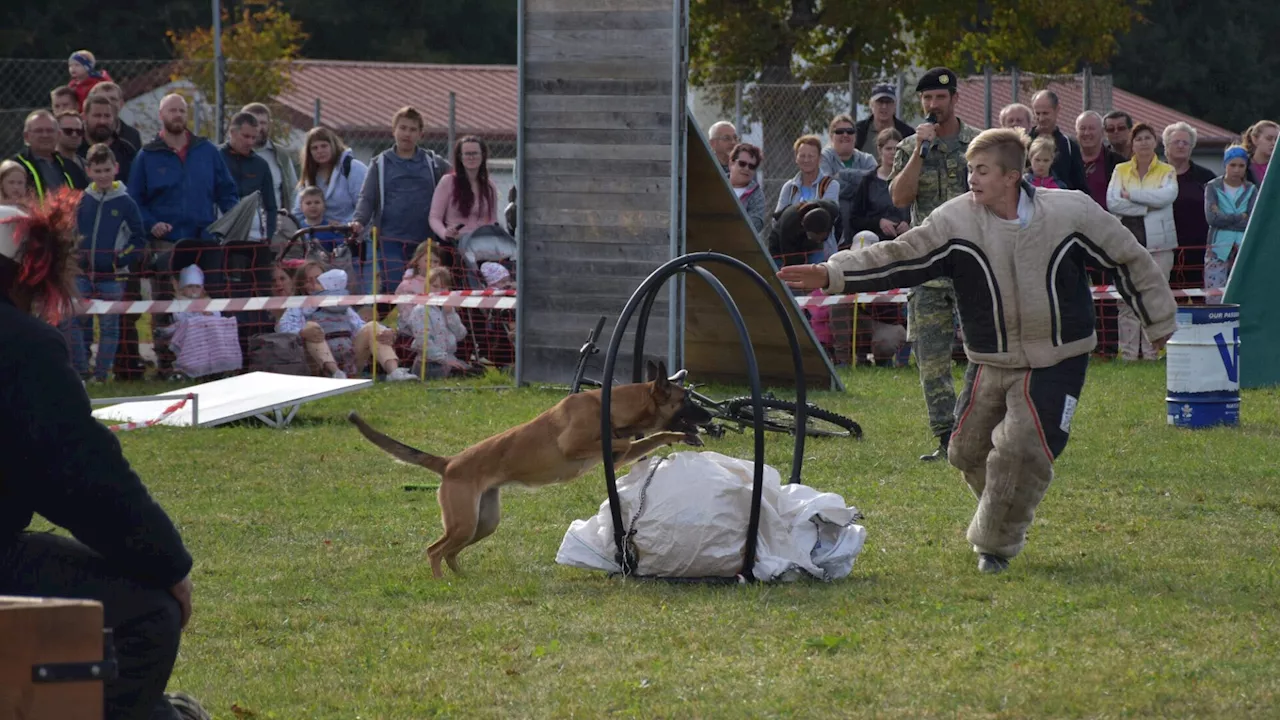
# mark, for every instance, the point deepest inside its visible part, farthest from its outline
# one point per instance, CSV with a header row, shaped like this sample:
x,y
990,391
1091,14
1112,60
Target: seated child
x,y
443,329
15,189
1044,150
338,342
204,342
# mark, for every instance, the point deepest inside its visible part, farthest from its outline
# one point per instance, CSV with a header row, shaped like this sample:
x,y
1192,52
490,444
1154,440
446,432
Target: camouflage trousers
x,y
931,327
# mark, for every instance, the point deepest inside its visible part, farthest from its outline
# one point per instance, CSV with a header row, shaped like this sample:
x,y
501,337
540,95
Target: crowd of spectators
x,y
177,216
1191,219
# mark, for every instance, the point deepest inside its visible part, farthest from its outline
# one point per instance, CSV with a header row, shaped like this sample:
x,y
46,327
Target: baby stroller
x,y
303,245
487,330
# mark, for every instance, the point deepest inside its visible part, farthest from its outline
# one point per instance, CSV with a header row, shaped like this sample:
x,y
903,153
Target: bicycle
x,y
734,414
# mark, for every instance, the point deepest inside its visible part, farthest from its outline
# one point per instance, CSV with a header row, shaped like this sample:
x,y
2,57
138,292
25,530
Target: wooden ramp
x,y
604,141
715,221
601,109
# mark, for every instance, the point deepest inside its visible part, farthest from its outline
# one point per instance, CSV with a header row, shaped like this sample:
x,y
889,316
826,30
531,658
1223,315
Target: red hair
x,y
47,238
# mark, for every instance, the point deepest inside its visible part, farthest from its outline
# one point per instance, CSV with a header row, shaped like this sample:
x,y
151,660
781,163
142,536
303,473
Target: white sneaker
x,y
338,375
400,374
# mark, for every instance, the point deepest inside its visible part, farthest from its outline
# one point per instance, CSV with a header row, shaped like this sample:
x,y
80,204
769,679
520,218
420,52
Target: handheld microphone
x,y
932,119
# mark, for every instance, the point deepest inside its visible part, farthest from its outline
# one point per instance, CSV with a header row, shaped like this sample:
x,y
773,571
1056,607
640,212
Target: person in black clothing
x,y
46,170
115,95
64,465
884,115
99,127
250,171
1068,166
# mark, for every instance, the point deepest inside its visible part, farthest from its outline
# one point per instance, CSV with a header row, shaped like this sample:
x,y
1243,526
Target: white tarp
x,y
694,523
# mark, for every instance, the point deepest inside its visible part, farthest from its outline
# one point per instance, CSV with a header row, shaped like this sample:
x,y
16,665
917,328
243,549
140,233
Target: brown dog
x,y
559,445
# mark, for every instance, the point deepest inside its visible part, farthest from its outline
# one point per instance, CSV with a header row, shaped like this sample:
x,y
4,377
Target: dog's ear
x,y
651,371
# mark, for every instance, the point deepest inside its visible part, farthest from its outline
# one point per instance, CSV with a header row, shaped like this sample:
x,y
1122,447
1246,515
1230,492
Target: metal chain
x,y
644,495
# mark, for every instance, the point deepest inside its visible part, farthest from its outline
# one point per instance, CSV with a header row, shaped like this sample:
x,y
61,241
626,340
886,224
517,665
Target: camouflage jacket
x,y
945,175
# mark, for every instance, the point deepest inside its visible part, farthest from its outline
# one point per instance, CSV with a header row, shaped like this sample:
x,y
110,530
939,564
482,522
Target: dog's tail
x,y
399,450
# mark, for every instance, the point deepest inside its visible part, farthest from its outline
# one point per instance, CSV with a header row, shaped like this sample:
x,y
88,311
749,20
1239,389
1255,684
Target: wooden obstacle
x,y
46,646
604,150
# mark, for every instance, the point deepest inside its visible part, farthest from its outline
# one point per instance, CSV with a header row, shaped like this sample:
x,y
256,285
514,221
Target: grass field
x,y
1148,588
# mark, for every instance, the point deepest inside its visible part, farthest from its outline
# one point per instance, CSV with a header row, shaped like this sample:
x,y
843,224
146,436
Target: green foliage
x,y
258,47
1209,59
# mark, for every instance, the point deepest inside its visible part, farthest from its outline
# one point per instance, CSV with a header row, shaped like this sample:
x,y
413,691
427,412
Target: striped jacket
x,y
1023,293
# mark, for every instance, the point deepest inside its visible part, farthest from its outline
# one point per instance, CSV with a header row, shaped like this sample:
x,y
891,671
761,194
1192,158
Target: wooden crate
x,y
38,631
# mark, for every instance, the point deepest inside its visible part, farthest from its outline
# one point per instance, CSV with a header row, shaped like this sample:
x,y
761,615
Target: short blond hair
x,y
811,140
1043,144
1009,145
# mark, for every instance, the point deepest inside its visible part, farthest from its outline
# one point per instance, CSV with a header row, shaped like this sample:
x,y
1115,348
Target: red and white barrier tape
x,y
477,299
1101,292
168,411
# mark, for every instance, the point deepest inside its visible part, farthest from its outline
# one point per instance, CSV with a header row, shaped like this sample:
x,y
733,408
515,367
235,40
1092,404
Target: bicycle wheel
x,y
780,416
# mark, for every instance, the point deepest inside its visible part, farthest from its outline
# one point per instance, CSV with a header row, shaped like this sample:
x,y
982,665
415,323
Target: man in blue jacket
x,y
178,179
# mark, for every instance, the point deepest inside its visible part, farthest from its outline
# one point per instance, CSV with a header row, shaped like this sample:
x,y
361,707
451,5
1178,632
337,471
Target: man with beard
x,y
100,127
177,180
112,92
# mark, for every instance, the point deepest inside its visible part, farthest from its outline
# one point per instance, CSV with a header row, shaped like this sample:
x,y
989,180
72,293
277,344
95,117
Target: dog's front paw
x,y
692,439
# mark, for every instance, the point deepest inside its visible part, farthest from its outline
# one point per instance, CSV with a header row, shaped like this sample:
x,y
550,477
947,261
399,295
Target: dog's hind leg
x,y
490,515
460,510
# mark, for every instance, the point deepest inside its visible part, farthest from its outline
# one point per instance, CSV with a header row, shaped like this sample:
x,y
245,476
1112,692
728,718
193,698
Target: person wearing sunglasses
x,y
46,170
842,153
744,160
70,134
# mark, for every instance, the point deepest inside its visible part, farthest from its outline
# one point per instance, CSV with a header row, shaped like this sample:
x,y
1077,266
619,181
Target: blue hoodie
x,y
182,194
111,233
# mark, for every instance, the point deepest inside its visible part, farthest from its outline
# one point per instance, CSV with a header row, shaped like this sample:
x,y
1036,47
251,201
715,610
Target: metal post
x,y
986,92
1016,81
853,90
453,122
219,99
737,107
1088,87
315,119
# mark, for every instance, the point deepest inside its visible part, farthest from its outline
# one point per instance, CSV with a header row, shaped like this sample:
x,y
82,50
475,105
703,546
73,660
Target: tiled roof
x,y
362,96
972,108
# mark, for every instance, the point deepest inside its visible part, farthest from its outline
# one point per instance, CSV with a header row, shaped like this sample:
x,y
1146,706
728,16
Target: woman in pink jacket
x,y
466,198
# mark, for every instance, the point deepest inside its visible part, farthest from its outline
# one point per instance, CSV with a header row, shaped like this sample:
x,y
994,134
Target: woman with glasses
x,y
842,154
744,160
1188,210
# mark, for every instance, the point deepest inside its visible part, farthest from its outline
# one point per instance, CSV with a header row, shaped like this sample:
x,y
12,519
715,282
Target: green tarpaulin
x,y
1253,287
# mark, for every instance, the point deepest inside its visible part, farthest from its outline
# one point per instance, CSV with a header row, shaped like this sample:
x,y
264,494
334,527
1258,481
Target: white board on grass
x,y
271,397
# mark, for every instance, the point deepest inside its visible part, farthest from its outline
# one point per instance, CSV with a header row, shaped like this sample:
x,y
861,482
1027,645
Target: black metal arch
x,y
643,298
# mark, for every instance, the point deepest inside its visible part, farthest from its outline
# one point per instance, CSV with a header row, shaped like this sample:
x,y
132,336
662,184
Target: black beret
x,y
939,78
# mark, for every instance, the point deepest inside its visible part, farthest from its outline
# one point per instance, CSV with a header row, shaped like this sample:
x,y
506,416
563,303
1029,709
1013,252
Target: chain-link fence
x,y
774,106
357,100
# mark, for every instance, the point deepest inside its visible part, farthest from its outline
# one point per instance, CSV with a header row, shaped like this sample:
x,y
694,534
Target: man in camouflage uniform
x,y
924,183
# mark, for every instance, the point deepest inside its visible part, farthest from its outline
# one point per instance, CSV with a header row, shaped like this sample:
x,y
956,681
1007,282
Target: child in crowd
x,y
111,239
311,202
15,189
82,67
338,342
443,331
204,342
1044,150
1228,203
497,345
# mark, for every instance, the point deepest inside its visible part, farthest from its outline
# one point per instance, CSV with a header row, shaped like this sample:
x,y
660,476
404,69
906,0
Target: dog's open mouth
x,y
689,419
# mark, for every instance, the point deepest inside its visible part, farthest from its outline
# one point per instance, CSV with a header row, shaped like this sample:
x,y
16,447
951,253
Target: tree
x,y
258,48
1204,59
778,44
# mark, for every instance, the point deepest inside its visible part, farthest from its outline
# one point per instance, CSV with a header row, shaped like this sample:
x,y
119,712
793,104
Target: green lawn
x,y
1148,588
